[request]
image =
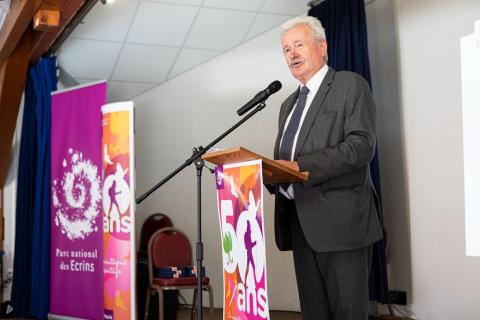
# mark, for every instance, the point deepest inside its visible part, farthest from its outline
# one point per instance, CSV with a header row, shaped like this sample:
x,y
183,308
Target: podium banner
x,y
76,225
240,206
119,211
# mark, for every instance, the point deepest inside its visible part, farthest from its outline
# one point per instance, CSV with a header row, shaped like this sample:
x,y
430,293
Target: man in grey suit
x,y
326,127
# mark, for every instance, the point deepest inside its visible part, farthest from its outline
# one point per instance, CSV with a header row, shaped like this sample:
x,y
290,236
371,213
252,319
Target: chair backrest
x,y
154,222
169,247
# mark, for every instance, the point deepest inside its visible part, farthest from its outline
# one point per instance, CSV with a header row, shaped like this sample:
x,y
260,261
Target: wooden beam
x,y
42,41
87,6
20,17
17,21
13,75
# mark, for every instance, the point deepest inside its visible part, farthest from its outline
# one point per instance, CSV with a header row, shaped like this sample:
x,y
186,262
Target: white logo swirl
x,y
77,197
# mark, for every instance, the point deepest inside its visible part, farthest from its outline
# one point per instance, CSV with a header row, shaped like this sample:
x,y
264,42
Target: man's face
x,y
305,55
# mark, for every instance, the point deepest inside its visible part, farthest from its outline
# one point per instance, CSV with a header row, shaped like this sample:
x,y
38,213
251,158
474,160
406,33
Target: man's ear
x,y
324,48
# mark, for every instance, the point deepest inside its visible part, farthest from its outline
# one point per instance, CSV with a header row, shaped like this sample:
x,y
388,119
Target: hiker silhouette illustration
x,y
249,244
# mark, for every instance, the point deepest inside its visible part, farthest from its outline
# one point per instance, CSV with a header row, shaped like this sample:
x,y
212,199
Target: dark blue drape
x,y
346,31
31,268
25,203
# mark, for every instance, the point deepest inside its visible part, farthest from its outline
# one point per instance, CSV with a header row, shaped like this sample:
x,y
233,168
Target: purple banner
x,y
76,227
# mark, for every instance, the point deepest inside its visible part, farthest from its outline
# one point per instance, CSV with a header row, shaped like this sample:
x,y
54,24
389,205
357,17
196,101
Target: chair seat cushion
x,y
178,282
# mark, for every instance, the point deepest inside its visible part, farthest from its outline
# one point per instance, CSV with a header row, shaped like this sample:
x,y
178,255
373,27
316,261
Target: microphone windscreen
x,y
274,86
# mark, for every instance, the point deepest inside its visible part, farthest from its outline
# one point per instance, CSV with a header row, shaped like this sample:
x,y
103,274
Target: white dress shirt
x,y
313,85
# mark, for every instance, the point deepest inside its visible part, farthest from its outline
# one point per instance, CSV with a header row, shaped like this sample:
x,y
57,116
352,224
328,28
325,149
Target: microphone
x,y
260,97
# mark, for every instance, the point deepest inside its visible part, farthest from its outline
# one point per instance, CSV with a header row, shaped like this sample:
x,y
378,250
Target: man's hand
x,y
291,164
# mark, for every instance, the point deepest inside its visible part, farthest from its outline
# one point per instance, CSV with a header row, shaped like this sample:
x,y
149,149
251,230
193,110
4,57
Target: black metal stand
x,y
199,164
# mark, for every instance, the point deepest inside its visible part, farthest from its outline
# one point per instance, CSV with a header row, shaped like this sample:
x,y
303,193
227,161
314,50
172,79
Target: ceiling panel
x,y
120,91
5,5
143,63
265,22
219,29
252,5
189,58
161,24
181,2
4,8
290,7
82,81
137,44
88,58
109,22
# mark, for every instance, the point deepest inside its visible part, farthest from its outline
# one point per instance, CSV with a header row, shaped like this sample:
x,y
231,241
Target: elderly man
x,y
326,127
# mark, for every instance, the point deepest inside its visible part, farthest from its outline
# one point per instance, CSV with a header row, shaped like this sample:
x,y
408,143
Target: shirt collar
x,y
314,83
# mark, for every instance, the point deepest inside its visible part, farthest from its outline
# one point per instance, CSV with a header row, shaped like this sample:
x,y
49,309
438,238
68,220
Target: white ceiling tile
x,y
5,5
141,63
3,15
218,29
107,22
88,58
212,26
4,9
189,58
121,91
161,24
185,2
82,81
265,22
290,7
234,4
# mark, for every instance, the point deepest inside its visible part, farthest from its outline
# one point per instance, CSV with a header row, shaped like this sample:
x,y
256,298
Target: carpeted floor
x,y
184,314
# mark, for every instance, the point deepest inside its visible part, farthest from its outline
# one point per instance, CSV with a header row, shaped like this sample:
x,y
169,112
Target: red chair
x,y
170,247
154,222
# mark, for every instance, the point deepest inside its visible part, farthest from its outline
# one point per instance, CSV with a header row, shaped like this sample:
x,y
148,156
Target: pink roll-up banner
x,y
240,207
119,255
77,224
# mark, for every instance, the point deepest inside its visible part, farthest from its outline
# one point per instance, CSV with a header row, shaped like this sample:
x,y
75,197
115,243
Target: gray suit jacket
x,y
335,206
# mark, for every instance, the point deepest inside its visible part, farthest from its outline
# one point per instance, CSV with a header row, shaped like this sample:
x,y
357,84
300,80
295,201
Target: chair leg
x,y
194,305
147,303
210,297
160,304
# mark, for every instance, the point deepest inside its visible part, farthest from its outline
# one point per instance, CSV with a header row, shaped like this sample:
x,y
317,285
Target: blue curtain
x,y
346,31
24,215
31,268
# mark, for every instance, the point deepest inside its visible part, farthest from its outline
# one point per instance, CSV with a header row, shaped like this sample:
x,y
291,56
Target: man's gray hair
x,y
313,23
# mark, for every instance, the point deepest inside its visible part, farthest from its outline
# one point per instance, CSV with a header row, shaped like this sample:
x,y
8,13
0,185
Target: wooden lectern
x,y
273,172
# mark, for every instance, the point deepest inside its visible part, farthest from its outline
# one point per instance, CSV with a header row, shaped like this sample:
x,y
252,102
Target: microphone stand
x,y
199,164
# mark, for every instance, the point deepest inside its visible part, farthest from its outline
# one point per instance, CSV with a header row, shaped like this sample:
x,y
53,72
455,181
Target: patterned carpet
x,y
184,314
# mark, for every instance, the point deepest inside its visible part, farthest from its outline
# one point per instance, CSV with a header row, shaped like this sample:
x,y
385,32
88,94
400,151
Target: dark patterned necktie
x,y
285,152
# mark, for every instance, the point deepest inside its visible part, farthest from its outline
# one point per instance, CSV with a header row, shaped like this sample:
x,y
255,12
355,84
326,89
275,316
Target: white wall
x,y
192,110
445,282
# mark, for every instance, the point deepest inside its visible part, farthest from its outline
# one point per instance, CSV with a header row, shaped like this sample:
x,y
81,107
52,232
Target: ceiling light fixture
x,y
107,1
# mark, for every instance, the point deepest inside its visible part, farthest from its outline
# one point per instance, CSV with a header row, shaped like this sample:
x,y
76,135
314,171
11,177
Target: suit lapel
x,y
284,112
316,105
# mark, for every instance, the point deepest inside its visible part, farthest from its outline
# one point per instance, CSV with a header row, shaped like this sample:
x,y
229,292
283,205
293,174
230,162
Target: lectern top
x,y
273,172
